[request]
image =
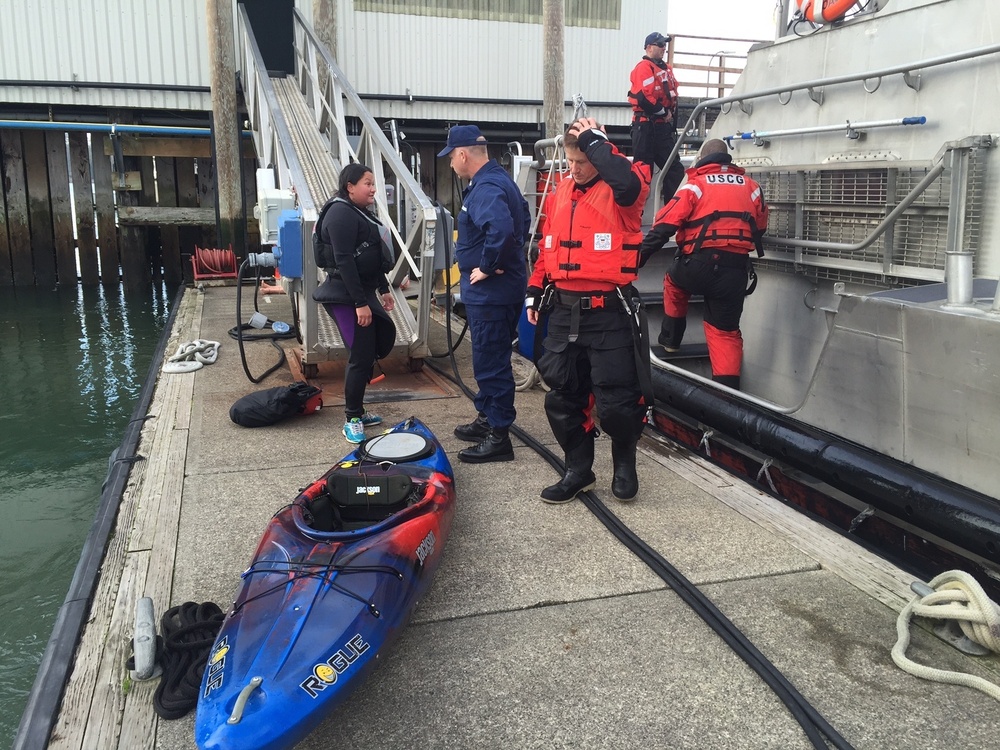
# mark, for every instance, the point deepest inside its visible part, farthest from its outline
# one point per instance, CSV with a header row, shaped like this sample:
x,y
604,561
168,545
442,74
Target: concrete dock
x,y
541,629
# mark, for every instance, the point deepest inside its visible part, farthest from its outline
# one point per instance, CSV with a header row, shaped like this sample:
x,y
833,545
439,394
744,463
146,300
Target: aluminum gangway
x,y
299,125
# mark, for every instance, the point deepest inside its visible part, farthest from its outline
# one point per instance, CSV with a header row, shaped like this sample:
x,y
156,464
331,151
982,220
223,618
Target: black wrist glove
x,y
589,138
533,297
655,240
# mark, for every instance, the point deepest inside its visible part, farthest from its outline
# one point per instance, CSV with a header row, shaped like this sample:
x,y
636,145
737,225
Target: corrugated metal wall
x,y
422,55
398,48
105,41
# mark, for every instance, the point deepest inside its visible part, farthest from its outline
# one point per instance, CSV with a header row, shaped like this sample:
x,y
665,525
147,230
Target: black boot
x,y
475,431
625,485
671,333
578,477
733,381
496,447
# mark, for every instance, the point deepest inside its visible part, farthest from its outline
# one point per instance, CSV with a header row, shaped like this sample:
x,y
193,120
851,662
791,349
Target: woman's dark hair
x,y
350,175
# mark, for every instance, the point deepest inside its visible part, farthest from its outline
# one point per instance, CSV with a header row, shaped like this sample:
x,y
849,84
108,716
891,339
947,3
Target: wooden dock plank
x,y
135,564
62,208
105,721
83,199
878,578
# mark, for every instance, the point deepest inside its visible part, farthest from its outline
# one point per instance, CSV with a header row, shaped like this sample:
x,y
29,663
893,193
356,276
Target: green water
x,y
72,364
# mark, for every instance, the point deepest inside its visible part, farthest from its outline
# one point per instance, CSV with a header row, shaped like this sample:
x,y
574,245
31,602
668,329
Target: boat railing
x,y
815,89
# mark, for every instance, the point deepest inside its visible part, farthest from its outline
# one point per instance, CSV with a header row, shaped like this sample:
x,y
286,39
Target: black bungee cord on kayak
x,y
318,571
811,721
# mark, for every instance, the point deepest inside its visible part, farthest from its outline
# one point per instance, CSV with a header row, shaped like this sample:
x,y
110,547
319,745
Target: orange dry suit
x,y
718,216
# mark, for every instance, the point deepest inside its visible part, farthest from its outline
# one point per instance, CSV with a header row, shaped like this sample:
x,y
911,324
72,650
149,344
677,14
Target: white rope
x,y
192,355
957,596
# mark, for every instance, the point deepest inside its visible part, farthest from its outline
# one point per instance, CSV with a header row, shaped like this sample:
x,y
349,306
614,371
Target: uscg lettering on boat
x,y
217,666
426,547
325,674
725,179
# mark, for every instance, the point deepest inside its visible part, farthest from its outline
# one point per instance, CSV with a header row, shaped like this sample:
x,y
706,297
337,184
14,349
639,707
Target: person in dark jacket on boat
x,y
588,259
719,215
355,250
493,228
653,96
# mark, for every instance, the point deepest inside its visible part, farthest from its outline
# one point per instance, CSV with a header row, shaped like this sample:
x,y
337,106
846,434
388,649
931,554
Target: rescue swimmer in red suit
x,y
719,216
588,259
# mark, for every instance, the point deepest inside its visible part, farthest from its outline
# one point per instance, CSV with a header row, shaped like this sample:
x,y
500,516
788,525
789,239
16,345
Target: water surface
x,y
72,364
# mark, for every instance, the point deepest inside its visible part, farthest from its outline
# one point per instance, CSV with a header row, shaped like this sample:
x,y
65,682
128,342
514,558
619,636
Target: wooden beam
x,y
62,210
159,215
12,159
83,197
175,146
39,208
104,204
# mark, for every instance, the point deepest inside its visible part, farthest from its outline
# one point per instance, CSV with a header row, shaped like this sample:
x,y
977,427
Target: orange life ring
x,y
825,11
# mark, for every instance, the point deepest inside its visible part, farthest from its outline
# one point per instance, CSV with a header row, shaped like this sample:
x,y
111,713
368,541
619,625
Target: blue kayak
x,y
333,581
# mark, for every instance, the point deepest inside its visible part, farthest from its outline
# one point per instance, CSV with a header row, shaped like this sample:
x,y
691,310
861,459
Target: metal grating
x,y
845,205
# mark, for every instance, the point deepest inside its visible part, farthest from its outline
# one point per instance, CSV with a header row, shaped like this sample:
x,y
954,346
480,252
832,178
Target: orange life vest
x,y
657,84
593,239
728,210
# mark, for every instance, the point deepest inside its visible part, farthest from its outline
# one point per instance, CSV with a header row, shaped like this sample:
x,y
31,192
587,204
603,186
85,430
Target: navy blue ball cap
x,y
462,135
656,38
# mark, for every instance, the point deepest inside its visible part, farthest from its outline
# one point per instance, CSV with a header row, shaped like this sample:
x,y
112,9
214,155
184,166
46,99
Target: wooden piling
x,y
43,256
104,205
62,208
83,199
18,231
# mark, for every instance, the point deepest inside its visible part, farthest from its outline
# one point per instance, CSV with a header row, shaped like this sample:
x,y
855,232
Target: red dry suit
x,y
718,216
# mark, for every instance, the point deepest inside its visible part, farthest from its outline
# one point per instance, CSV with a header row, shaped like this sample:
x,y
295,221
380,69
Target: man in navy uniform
x,y
493,227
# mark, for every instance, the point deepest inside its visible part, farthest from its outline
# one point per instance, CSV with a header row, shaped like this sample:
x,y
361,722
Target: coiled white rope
x,y
192,355
957,596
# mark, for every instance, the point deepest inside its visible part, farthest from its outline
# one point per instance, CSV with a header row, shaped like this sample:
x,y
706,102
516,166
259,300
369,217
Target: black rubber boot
x,y
733,381
475,431
496,447
578,477
625,485
671,333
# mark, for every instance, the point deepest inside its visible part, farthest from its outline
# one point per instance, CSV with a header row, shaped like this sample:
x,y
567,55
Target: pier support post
x,y
225,125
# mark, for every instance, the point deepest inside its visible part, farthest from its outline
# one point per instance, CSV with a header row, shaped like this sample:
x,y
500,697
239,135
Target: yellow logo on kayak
x,y
326,673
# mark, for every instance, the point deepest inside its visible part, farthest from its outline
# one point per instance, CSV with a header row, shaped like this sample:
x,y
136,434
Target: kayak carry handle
x,y
241,700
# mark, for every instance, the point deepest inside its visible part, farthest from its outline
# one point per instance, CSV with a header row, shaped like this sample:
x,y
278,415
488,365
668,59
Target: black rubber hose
x,y
236,331
811,721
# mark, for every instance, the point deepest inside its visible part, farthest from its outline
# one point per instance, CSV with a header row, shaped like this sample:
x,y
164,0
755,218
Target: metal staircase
x,y
306,127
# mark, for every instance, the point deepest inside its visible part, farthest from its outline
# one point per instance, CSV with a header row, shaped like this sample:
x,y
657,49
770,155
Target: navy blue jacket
x,y
493,228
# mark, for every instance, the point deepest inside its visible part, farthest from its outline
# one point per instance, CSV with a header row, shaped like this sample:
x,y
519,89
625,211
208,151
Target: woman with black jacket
x,y
354,249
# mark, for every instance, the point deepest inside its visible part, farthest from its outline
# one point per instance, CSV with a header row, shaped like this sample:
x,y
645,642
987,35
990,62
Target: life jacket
x,y
595,241
323,251
725,211
657,84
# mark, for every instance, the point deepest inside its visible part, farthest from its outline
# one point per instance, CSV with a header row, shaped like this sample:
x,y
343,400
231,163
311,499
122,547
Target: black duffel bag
x,y
275,404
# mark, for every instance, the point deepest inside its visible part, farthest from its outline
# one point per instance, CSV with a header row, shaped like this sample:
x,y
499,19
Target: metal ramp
x,y
305,127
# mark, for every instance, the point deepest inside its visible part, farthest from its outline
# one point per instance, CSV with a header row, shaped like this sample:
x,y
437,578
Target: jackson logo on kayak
x,y
426,547
217,666
324,675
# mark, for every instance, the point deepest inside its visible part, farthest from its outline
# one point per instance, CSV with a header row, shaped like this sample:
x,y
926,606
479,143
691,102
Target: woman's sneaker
x,y
368,419
354,430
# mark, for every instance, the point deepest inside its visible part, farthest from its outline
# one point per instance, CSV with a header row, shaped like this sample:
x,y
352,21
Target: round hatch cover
x,y
396,447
